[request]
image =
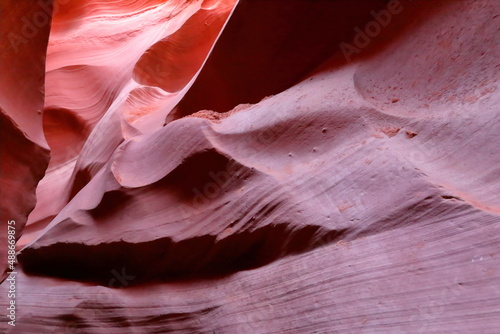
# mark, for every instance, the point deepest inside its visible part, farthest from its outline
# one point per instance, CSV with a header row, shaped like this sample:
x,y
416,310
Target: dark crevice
x,y
82,178
164,260
110,203
202,176
451,197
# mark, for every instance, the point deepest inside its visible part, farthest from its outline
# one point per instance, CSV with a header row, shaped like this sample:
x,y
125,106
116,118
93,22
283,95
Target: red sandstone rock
x,y
304,193
23,148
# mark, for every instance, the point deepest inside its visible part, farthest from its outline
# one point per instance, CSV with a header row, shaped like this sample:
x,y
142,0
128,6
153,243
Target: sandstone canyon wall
x,y
251,166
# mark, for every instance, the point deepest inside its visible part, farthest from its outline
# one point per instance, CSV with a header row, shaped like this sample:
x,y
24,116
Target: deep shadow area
x,y
199,170
268,45
164,260
82,178
22,165
110,203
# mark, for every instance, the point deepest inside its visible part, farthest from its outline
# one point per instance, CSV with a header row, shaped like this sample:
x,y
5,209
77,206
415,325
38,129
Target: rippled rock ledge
x,y
252,166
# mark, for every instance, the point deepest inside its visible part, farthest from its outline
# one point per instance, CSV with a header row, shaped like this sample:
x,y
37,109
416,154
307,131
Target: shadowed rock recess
x,y
250,166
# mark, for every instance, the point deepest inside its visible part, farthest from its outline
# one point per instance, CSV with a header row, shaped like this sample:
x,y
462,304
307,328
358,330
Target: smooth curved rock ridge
x,y
81,101
352,191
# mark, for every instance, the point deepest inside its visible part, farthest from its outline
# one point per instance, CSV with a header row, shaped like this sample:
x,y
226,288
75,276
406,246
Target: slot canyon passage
x,y
251,166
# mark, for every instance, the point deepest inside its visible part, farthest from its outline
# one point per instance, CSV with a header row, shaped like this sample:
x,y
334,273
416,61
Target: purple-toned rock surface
x,y
253,167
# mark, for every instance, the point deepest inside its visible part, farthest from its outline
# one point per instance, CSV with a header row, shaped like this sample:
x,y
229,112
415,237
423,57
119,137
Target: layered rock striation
x,y
253,166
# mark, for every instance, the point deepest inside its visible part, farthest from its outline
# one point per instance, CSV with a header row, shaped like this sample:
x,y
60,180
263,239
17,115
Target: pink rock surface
x,y
219,167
